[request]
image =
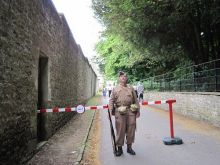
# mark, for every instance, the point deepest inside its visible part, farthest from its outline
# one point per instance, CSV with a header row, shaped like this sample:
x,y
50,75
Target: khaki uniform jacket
x,y
122,96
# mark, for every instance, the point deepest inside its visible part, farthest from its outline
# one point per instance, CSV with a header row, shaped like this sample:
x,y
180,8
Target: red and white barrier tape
x,y
157,102
81,108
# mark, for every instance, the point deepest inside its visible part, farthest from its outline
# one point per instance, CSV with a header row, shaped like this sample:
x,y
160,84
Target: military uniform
x,y
124,96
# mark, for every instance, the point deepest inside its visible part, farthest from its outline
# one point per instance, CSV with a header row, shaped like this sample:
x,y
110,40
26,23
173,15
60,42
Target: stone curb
x,y
39,147
82,148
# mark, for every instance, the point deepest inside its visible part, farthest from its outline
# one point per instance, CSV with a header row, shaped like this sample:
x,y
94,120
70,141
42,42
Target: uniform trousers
x,y
125,126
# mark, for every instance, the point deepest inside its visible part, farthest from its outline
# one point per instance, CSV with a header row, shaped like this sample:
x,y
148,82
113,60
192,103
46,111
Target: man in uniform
x,y
124,105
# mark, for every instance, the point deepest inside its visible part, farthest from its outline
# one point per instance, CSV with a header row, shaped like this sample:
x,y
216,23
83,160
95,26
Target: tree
x,y
159,32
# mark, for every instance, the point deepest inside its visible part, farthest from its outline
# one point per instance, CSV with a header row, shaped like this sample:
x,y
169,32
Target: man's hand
x,y
112,113
138,114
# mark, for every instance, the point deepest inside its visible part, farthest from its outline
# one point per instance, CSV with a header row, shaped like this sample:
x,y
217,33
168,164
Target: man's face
x,y
123,78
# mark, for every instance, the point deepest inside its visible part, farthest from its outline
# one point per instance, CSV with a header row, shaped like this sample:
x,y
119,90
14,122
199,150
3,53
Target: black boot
x,y
130,150
119,152
120,149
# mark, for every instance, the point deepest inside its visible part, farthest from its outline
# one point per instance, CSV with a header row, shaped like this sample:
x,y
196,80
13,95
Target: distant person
x,y
109,90
140,91
124,105
135,89
104,92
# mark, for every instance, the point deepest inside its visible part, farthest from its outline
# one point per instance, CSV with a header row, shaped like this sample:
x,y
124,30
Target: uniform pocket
x,y
122,110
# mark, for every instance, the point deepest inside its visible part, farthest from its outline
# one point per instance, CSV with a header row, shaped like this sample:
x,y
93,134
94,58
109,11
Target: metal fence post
x,y
194,81
151,86
169,81
216,78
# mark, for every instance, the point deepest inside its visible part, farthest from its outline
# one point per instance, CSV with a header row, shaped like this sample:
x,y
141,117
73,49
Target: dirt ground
x,y
91,153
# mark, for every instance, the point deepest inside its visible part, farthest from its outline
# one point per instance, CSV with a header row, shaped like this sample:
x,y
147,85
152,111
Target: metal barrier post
x,y
171,119
171,140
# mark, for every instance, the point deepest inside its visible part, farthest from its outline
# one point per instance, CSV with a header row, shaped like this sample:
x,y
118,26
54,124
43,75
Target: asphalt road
x,y
201,141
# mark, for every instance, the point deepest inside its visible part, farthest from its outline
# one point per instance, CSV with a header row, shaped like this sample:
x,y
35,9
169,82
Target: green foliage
x,y
116,54
150,37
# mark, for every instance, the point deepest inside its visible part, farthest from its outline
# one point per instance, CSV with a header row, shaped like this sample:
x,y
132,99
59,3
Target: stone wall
x,y
202,106
86,78
41,66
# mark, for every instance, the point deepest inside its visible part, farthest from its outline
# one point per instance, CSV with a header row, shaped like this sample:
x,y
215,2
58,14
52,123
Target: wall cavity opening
x,y
43,84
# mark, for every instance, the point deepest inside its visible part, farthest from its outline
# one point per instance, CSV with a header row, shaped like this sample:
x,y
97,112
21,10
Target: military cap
x,y
120,73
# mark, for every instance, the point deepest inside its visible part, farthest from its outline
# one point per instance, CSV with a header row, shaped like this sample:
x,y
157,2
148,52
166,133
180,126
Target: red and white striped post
x,y
170,102
172,139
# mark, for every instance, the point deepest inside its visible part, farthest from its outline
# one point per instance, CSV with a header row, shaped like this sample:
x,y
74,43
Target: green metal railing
x,y
204,77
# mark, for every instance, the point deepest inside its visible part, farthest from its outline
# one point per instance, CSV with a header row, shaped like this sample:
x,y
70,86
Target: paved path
x,y
67,145
201,141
